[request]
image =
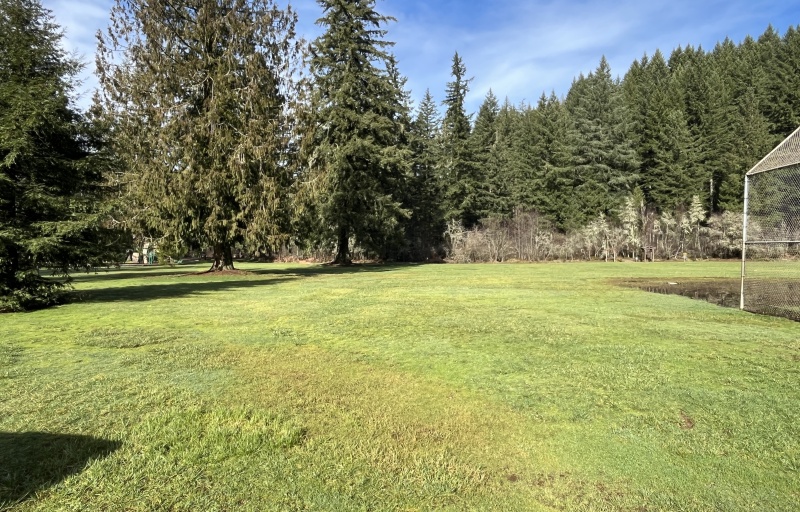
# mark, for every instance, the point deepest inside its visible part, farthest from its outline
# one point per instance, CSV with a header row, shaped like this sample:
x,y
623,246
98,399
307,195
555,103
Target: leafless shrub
x,y
638,234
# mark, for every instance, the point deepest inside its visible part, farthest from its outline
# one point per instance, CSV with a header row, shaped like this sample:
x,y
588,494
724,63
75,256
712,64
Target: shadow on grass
x,y
183,285
32,461
114,274
322,270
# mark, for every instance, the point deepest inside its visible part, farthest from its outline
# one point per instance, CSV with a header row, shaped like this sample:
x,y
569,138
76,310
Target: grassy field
x,y
435,387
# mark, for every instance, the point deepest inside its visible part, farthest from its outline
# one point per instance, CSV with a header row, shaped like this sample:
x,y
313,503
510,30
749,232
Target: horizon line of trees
x,y
214,125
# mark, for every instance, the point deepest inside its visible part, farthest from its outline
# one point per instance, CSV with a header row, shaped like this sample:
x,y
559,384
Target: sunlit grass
x,y
460,387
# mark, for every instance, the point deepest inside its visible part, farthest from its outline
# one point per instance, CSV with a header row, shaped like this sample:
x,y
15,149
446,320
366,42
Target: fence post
x,y
744,238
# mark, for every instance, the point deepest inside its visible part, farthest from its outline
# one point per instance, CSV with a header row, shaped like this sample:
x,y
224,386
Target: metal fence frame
x,y
783,157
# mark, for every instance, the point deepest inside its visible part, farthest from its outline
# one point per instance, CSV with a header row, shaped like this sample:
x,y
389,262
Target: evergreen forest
x,y
216,128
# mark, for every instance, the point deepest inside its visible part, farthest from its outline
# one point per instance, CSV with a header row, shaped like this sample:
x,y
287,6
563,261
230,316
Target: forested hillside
x,y
688,125
647,159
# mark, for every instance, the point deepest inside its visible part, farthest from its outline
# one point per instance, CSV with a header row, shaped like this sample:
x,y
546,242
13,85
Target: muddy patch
x,y
722,292
686,422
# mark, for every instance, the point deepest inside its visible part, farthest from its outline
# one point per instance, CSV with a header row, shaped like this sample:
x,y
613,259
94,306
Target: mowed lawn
x,y
398,387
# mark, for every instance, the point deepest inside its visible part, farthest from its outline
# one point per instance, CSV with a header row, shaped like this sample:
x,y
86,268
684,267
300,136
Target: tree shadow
x,y
326,270
184,285
32,461
179,287
113,274
179,270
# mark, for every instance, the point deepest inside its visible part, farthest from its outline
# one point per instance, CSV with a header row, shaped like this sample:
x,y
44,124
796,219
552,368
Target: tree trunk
x,y
223,258
343,248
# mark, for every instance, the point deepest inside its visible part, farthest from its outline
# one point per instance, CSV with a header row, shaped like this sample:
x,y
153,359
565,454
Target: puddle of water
x,y
722,292
774,297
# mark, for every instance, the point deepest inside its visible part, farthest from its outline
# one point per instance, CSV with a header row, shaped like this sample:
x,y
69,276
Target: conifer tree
x,y
736,134
530,153
707,105
667,177
506,163
483,142
559,203
50,177
458,169
790,56
426,225
604,159
396,244
358,151
752,132
199,94
779,81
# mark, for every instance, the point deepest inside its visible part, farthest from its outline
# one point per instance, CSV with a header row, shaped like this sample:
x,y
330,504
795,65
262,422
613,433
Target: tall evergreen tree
x,y
738,133
781,107
604,159
664,140
397,244
752,132
706,104
483,142
50,178
358,151
558,201
506,166
200,95
457,167
426,225
530,153
790,56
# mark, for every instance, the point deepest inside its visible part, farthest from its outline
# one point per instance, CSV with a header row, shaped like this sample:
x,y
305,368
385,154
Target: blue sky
x,y
519,49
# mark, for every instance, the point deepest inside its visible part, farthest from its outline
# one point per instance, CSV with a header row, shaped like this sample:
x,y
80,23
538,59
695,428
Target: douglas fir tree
x,y
357,146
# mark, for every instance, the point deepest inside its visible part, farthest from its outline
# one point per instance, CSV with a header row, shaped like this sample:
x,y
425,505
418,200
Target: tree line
x,y
631,162
216,126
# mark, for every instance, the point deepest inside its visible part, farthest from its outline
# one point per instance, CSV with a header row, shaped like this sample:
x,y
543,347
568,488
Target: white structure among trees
x,y
771,240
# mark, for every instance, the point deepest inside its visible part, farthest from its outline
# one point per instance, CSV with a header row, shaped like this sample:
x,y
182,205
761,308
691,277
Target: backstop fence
x,y
771,241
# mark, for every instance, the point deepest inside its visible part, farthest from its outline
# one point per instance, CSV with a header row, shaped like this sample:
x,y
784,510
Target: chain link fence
x,y
771,253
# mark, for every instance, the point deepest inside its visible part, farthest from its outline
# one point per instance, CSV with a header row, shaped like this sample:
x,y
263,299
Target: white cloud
x,y
519,49
523,49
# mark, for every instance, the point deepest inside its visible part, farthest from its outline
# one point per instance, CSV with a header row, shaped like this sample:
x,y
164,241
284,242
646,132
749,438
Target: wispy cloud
x,y
518,49
523,49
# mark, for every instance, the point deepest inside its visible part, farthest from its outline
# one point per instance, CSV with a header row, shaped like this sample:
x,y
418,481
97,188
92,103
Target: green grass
x,y
435,387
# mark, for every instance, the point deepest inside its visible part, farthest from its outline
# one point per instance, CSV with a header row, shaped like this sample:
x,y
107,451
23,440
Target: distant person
x,y
130,255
